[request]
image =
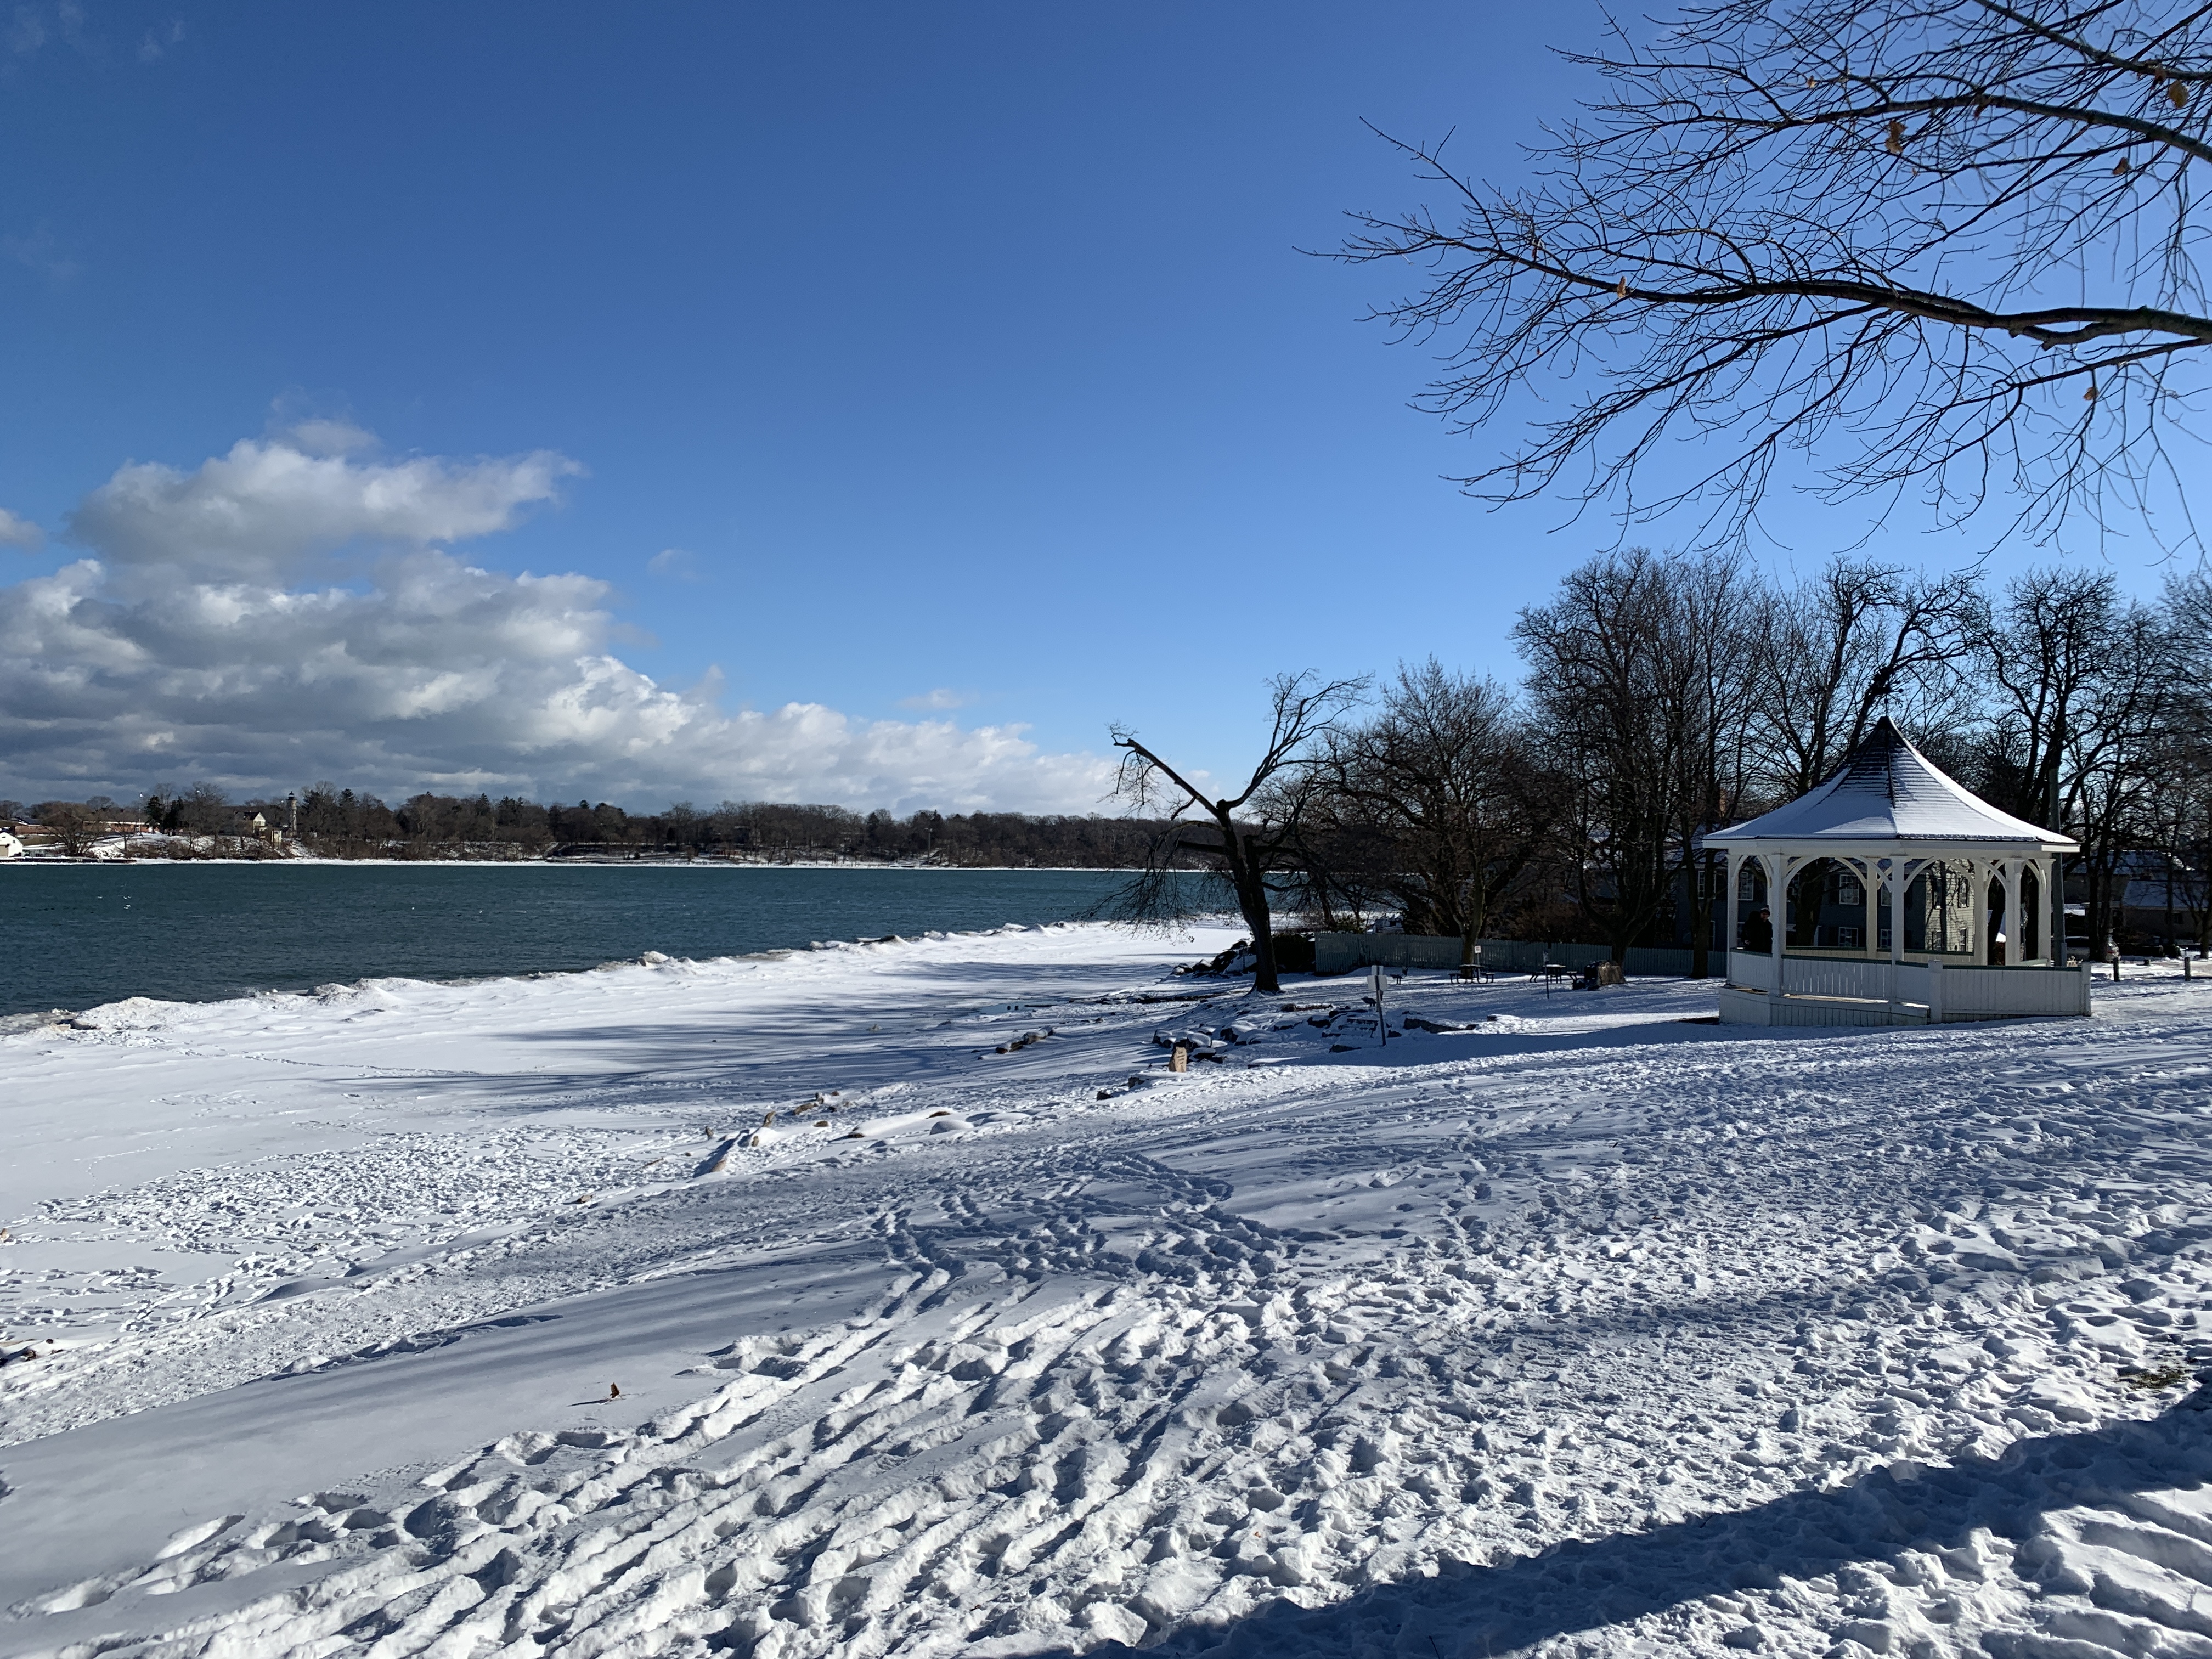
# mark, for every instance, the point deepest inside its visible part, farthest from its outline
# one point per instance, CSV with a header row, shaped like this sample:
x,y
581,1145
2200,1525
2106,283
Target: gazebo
x,y
1896,897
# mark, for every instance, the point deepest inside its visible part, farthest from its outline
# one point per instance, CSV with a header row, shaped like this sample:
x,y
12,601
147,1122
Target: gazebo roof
x,y
1886,790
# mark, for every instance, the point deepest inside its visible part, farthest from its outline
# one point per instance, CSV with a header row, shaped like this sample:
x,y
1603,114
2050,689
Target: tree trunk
x,y
1251,885
1257,918
1697,878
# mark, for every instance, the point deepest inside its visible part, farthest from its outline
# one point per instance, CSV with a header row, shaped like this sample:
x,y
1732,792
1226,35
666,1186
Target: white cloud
x,y
942,698
27,32
155,44
263,510
18,531
194,644
321,435
42,252
675,563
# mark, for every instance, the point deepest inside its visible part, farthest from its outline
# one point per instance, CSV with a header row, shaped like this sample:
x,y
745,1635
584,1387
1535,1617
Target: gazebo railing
x,y
1751,970
1971,992
1830,976
1979,993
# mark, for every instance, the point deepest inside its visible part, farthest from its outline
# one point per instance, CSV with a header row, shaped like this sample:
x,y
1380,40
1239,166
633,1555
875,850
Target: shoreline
x,y
34,1020
582,863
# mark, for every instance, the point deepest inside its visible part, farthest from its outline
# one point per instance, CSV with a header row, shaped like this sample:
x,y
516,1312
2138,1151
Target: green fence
x,y
1339,953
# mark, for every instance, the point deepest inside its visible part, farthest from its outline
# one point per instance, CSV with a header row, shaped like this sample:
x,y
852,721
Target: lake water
x,y
75,935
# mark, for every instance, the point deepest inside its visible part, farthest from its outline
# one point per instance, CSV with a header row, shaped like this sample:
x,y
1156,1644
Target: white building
x,y
1906,901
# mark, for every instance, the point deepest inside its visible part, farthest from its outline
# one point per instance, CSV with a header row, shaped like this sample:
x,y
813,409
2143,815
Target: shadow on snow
x,y
1469,1612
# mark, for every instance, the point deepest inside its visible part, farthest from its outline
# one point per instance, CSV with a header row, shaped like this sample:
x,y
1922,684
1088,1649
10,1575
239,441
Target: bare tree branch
x,y
1941,246
1254,827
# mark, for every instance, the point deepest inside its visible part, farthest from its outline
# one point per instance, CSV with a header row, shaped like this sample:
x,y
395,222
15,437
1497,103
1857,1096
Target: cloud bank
x,y
291,611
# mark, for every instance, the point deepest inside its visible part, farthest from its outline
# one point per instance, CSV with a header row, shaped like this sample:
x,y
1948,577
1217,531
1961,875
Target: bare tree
x,y
1706,683
1857,637
1449,780
1245,837
2116,759
1593,657
2043,652
1343,863
2182,806
74,825
1943,246
203,810
2088,688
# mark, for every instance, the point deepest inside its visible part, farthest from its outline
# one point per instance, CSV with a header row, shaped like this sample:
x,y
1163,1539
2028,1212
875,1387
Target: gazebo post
x,y
1777,865
1977,911
1729,923
1898,877
2016,914
2054,897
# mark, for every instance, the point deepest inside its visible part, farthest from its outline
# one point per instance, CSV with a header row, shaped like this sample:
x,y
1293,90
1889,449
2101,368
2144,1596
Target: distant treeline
x,y
339,822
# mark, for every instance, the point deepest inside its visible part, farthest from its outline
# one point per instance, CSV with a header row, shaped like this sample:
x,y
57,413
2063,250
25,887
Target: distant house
x,y
2161,898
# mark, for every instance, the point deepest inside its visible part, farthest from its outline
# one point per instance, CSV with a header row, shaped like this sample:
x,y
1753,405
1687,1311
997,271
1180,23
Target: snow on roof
x,y
1886,790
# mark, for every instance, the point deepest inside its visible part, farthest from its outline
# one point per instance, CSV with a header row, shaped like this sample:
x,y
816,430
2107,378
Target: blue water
x,y
72,936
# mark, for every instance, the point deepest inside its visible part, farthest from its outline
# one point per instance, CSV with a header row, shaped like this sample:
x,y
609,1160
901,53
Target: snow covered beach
x,y
1581,1329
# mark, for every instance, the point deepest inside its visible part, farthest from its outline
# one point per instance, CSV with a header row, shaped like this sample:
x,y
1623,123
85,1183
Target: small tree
x,y
1448,779
73,825
1596,656
1244,837
203,810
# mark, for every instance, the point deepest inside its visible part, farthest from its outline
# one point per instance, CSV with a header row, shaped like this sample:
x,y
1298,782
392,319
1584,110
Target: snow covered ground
x,y
1586,1328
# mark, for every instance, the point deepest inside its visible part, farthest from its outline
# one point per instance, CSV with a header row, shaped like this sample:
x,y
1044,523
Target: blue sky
x,y
939,368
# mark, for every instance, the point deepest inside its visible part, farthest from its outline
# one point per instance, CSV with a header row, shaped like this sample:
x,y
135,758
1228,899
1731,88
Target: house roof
x,y
1886,790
